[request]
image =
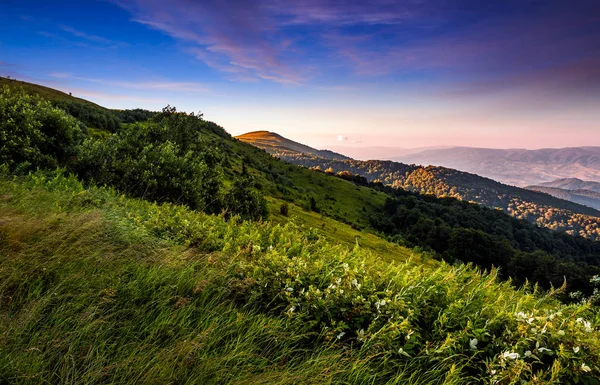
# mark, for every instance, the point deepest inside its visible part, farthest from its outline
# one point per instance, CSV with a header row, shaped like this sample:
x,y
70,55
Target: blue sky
x,y
487,73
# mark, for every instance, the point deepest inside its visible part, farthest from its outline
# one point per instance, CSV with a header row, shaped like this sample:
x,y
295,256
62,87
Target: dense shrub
x,y
134,116
243,200
168,159
284,209
33,133
91,115
462,231
164,160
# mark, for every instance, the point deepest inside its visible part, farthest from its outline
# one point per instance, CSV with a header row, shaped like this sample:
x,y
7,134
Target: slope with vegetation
x,y
90,114
272,141
573,184
181,158
98,288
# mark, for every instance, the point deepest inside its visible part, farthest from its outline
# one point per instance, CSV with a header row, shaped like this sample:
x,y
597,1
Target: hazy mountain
x,y
273,142
379,152
515,166
573,184
583,197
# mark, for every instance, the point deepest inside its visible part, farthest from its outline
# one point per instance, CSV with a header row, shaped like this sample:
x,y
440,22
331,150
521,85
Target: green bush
x,y
284,209
156,161
33,133
245,201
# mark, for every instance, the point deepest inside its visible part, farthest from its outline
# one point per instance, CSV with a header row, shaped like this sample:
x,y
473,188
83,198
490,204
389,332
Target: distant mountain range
x,y
572,189
539,207
514,166
573,184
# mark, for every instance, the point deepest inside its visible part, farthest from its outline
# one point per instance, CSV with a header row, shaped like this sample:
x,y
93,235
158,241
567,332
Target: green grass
x,y
340,233
97,288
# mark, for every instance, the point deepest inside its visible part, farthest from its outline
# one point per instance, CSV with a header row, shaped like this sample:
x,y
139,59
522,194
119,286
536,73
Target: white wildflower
x,y
473,343
510,355
542,350
576,349
527,353
401,351
289,289
339,337
361,335
585,368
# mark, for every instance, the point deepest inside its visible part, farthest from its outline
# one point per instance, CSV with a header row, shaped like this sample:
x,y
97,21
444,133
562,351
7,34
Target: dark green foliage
x,y
467,232
163,160
135,115
313,205
33,133
245,201
284,209
90,115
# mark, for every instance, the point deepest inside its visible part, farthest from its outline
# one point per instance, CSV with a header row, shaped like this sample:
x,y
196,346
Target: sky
x,y
378,73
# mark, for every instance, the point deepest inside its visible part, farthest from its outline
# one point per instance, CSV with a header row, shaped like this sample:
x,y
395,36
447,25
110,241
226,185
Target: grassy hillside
x,y
98,288
98,119
47,93
181,158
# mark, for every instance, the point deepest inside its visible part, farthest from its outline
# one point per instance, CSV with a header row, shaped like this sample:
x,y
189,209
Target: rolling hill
x,y
273,142
515,166
540,208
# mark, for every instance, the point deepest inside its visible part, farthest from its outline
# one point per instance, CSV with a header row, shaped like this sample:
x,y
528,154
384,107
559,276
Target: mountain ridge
x,y
519,167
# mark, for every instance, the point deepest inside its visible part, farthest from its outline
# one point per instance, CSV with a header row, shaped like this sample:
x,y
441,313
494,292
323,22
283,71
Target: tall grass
x,y
98,288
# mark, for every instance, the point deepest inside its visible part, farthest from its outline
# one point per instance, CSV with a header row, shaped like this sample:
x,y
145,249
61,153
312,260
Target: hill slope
x,y
515,166
98,288
181,158
275,143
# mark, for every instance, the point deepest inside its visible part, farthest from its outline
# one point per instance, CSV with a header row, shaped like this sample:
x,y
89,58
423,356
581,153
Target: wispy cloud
x,y
229,36
138,85
91,38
